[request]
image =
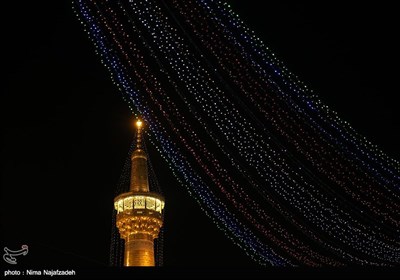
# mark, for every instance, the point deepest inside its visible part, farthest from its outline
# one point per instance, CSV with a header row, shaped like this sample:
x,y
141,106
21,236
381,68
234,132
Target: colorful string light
x,y
278,171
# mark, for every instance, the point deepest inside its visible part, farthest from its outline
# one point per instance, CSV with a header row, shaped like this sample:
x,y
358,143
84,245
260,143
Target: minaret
x,y
139,211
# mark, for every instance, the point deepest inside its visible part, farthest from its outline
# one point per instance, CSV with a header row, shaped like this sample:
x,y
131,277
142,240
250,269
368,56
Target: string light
x,y
244,135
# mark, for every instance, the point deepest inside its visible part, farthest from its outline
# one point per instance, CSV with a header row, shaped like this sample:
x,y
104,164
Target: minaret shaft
x,y
139,251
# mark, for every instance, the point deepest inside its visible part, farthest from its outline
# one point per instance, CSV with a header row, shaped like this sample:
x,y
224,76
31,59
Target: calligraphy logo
x,y
10,255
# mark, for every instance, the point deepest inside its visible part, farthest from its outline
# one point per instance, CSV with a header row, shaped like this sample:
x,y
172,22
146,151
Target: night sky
x,y
67,131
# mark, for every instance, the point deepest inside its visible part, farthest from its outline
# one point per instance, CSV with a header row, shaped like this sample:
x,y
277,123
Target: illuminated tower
x,y
139,211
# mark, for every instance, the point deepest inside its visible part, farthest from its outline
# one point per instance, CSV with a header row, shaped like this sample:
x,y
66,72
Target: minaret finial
x,y
139,125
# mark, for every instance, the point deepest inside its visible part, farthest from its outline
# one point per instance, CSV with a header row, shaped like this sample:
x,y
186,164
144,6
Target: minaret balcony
x,y
139,203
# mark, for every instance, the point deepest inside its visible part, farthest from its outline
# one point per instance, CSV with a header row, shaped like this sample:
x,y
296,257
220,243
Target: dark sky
x,y
67,131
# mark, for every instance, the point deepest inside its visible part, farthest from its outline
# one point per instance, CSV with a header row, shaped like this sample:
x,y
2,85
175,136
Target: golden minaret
x,y
139,211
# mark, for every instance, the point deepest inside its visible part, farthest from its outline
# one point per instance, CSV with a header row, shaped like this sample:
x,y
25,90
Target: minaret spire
x,y
139,173
139,125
